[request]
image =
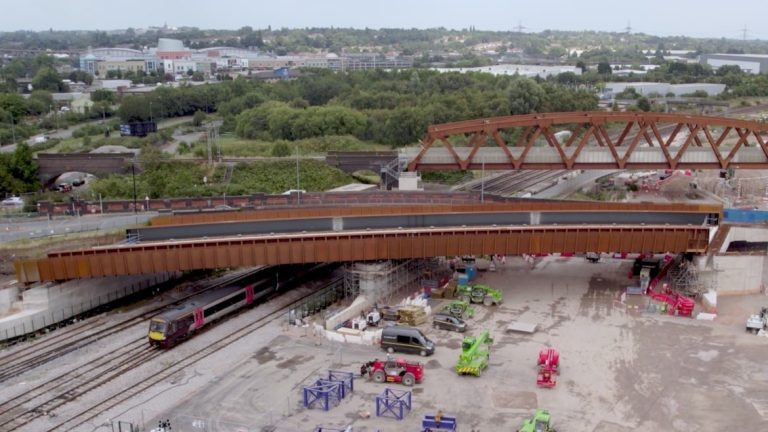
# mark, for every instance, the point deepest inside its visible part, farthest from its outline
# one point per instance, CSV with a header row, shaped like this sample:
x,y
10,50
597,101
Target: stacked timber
x,y
390,313
412,315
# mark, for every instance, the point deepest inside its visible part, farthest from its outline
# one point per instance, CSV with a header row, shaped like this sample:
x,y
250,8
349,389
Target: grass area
x,y
184,179
233,146
279,176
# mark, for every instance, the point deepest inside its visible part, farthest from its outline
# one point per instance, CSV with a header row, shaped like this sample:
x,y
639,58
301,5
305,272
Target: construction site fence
x,y
318,301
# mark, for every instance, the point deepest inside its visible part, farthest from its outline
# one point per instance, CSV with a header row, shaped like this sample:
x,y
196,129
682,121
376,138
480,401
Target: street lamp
x,y
298,183
482,182
104,121
133,174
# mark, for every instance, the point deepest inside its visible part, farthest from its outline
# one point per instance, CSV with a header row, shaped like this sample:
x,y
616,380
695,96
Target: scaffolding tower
x,y
685,278
383,280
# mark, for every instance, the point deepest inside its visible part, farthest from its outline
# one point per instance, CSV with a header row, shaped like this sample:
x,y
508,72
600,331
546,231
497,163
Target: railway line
x,y
511,183
34,355
45,398
73,384
169,370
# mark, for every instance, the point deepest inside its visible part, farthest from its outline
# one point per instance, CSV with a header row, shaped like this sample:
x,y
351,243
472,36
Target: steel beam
x,y
359,246
668,155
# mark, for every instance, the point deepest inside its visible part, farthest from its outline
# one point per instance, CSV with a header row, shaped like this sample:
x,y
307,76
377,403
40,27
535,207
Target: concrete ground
x,y
622,369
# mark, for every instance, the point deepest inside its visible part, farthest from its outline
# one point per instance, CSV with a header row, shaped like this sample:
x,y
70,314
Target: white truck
x,y
758,322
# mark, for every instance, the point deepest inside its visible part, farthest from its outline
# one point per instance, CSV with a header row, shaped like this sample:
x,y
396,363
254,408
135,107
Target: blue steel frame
x,y
393,403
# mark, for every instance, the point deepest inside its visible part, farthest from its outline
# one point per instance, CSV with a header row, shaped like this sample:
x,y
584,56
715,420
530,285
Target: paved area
x,y
622,369
27,228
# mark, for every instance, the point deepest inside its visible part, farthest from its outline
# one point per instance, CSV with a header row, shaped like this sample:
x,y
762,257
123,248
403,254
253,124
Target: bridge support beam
x,y
359,246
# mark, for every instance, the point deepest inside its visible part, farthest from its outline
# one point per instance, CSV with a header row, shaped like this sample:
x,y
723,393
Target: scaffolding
x,y
320,300
685,277
382,281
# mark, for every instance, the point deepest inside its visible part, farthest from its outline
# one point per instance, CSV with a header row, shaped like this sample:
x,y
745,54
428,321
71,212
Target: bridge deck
x,y
359,246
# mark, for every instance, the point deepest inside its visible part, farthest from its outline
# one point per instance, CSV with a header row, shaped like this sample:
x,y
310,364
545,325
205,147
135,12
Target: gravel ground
x,y
622,369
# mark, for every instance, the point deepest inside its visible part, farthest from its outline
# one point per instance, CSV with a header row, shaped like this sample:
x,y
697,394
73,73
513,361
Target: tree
x,y
604,68
103,95
581,65
48,79
134,109
14,104
24,167
643,104
525,96
40,101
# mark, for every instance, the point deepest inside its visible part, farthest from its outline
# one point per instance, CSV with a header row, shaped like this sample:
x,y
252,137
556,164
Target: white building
x,y
529,71
749,63
646,88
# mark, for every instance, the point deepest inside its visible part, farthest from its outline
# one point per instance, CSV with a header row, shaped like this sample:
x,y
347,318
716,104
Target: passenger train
x,y
173,326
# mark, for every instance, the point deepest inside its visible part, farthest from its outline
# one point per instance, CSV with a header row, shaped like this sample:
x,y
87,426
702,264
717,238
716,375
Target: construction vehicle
x,y
758,322
474,357
459,309
479,293
538,423
396,371
549,366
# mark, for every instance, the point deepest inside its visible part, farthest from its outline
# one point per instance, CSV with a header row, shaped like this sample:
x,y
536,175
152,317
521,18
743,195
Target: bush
x,y
280,149
198,118
183,148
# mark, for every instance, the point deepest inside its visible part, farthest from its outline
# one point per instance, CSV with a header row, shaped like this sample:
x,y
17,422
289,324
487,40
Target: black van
x,y
407,340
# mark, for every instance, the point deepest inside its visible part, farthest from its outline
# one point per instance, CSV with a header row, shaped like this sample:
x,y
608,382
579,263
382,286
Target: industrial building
x,y
529,71
663,89
171,56
749,63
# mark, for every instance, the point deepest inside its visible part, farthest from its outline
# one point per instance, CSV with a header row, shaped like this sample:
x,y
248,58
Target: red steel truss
x,y
633,141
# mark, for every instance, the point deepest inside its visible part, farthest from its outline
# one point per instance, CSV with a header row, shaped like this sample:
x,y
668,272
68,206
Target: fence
x,y
261,200
318,301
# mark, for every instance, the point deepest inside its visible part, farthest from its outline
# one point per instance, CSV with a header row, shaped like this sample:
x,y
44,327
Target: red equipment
x,y
549,366
677,304
397,371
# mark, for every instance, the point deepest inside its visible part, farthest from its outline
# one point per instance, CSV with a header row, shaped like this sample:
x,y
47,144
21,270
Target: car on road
x,y
449,322
12,201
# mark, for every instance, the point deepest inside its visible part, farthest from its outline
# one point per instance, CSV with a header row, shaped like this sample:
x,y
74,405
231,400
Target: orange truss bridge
x,y
592,140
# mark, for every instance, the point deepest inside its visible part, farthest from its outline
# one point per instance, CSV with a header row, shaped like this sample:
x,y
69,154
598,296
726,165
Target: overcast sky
x,y
699,18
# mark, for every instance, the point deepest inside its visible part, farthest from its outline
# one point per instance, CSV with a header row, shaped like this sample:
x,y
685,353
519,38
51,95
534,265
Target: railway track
x,y
73,384
28,358
168,371
511,183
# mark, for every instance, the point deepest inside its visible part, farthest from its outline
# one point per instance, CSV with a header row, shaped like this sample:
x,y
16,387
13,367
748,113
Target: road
x,y
67,133
25,228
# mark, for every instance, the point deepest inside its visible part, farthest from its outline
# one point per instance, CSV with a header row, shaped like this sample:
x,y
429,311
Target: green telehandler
x,y
459,309
474,357
538,423
479,293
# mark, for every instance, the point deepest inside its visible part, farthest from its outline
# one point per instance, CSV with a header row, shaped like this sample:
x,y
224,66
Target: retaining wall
x,y
49,304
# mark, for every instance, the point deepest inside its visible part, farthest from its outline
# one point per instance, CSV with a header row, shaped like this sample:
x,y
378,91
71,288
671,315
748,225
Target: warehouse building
x,y
749,63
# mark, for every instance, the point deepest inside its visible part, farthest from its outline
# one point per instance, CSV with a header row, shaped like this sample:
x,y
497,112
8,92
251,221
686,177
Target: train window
x,y
225,304
157,326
